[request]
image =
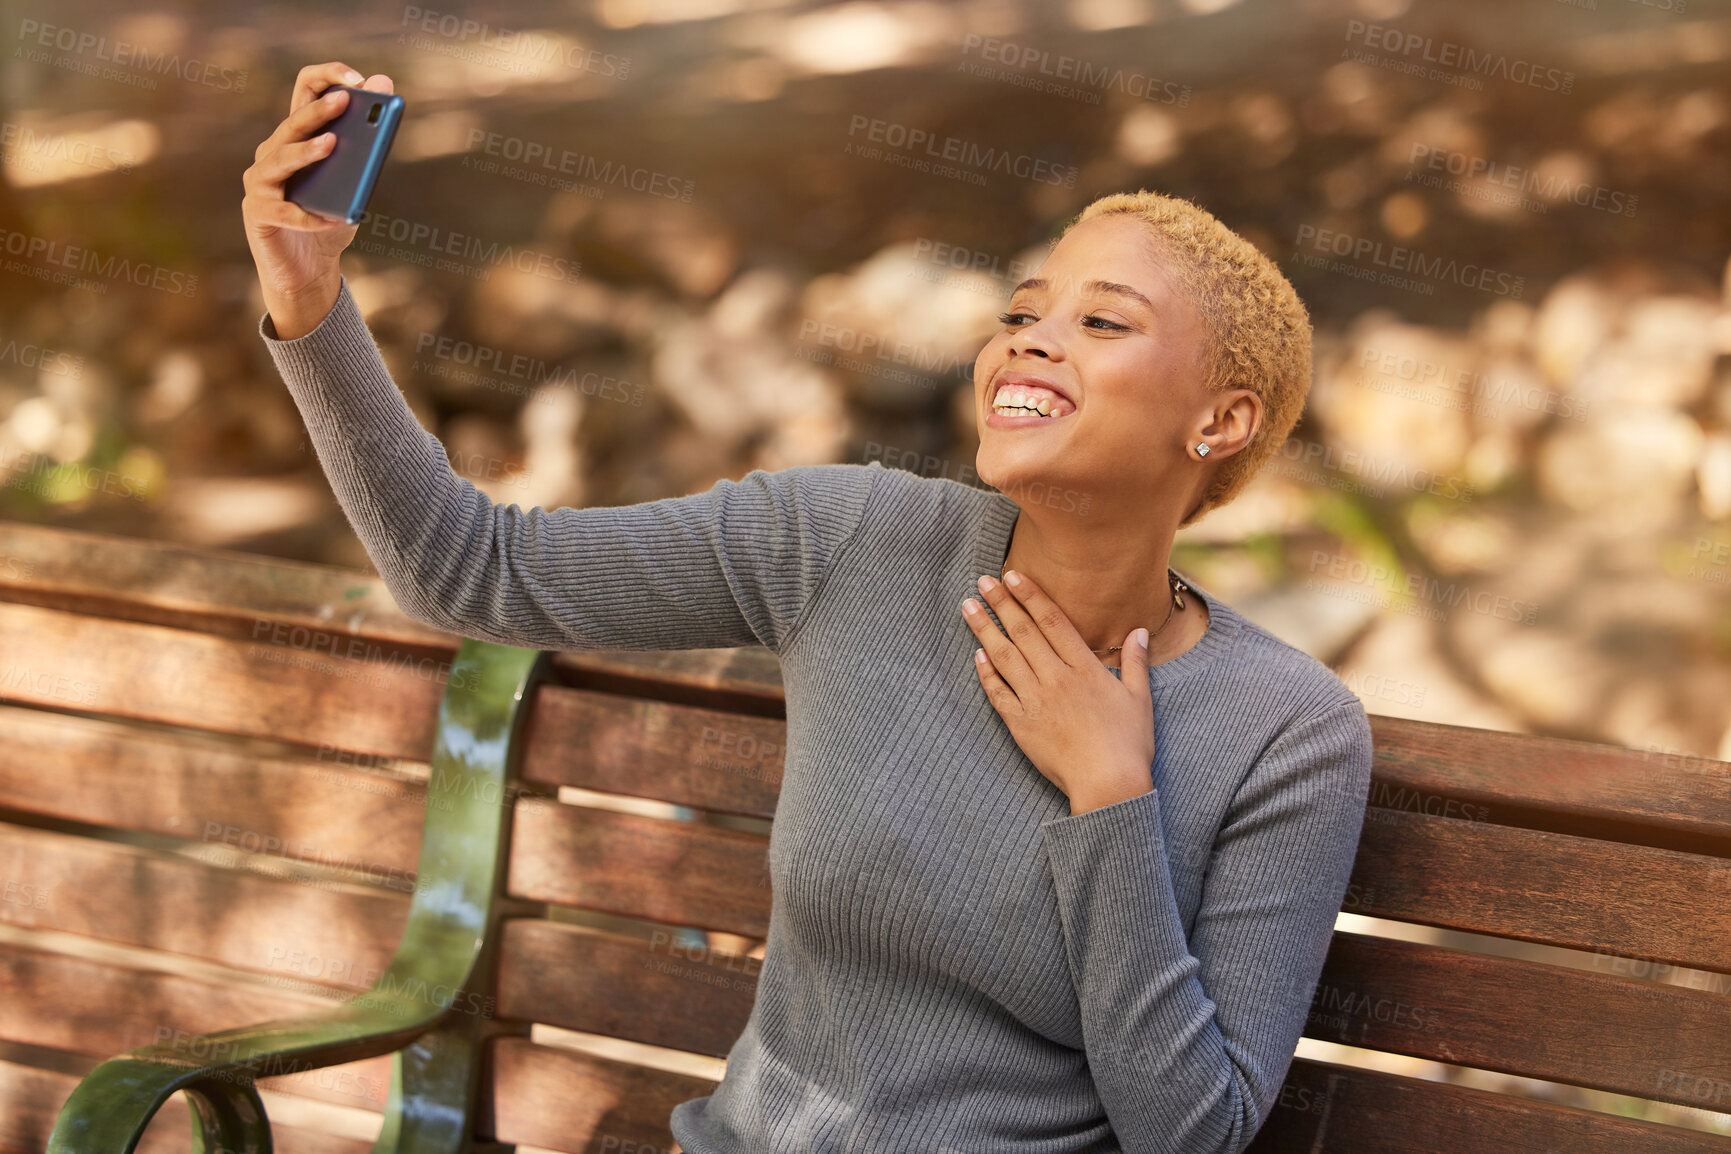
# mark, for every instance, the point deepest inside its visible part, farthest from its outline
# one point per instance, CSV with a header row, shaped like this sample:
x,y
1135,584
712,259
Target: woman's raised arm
x,y
735,565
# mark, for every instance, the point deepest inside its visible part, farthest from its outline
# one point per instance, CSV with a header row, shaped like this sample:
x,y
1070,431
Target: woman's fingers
x,y
1005,657
268,175
315,78
1053,625
315,103
315,114
1030,639
274,210
998,691
277,160
301,124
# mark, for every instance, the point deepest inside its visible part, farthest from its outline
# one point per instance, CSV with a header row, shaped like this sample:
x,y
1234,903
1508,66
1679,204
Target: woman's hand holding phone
x,y
297,253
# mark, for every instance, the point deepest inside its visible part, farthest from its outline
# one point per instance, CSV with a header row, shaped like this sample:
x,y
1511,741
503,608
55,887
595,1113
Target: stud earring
x,y
1201,448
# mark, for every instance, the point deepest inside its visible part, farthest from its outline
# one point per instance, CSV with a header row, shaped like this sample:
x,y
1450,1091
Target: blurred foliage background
x,y
625,247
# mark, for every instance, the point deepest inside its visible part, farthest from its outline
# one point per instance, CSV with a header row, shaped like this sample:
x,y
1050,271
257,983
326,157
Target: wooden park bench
x,y
236,790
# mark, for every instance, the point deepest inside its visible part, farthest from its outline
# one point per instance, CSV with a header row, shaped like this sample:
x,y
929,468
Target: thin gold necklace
x,y
1179,588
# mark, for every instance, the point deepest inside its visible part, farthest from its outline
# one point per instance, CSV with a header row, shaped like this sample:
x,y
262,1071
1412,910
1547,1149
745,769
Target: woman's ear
x,y
1237,423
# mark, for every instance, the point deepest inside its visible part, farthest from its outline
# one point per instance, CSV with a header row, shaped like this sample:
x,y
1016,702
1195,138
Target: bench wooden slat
x,y
1429,1002
100,574
228,685
572,1101
139,897
746,679
655,750
1326,1107
223,592
122,776
655,991
86,1006
31,1098
1425,1001
683,873
1556,888
1606,1032
1546,887
704,758
1577,787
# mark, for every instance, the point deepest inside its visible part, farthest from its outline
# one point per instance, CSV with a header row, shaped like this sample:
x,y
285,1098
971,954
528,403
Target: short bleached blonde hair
x,y
1259,330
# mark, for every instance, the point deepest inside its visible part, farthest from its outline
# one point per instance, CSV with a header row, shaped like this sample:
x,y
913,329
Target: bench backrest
x,y
1551,909
202,786
199,749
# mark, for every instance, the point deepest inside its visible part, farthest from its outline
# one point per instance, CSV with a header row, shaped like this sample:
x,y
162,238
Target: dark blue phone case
x,y
337,185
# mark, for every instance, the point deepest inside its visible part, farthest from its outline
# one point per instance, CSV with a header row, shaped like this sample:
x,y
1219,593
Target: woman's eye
x,y
1011,319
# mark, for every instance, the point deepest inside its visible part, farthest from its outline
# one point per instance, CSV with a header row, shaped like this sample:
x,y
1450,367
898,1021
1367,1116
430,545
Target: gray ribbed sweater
x,y
955,963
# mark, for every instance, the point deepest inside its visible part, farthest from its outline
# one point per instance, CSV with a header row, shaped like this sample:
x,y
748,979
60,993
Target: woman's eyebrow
x,y
1099,286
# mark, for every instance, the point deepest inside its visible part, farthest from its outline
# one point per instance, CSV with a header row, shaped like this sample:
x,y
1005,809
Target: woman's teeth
x,y
1012,401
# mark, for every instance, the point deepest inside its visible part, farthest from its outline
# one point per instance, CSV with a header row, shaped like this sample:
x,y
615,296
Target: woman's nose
x,y
1029,342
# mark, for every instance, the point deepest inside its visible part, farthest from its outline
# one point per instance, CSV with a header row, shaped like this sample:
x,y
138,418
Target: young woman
x,y
1027,897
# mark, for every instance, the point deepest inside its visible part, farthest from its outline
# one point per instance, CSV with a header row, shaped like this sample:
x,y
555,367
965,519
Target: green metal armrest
x,y
411,1012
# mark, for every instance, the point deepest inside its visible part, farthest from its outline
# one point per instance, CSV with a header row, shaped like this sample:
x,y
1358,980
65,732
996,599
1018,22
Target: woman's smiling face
x,y
1102,338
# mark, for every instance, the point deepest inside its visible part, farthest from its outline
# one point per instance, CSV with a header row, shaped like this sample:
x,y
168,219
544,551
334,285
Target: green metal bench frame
x,y
446,953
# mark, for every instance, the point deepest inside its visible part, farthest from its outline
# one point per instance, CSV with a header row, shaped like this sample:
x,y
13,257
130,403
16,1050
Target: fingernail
x,y
1012,577
352,77
979,656
1142,637
985,583
968,605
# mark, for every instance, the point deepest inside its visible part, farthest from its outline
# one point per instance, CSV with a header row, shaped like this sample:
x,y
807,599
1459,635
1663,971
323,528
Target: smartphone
x,y
337,185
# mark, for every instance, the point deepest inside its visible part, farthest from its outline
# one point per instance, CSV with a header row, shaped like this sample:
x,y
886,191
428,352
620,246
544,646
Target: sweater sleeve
x,y
736,565
1190,1041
